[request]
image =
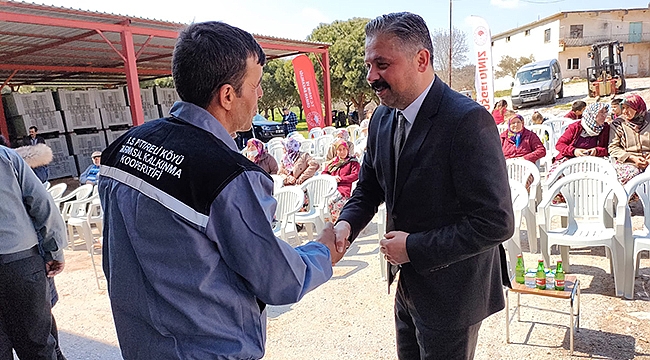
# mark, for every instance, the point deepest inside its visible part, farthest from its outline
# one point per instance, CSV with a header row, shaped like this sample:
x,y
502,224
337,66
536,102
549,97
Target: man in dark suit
x,y
33,138
446,192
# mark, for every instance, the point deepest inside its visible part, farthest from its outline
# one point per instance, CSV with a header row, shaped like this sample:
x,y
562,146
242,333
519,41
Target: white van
x,y
537,83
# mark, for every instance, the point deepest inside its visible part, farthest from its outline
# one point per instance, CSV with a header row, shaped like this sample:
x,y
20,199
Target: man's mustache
x,y
379,85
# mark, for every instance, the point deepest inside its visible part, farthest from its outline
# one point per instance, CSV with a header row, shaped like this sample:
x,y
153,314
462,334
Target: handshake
x,y
336,238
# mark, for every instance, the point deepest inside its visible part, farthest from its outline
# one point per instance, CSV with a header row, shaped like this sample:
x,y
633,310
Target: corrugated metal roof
x,y
41,48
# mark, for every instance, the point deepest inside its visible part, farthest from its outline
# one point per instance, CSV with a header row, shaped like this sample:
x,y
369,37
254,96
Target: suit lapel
x,y
385,148
419,131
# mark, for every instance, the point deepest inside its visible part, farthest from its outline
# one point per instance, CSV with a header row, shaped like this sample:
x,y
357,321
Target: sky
x,y
295,19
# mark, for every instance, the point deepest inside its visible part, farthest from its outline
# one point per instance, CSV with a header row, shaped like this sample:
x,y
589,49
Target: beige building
x,y
567,37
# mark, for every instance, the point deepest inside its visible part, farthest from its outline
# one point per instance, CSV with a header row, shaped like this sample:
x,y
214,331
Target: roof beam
x,y
302,49
82,69
47,46
78,24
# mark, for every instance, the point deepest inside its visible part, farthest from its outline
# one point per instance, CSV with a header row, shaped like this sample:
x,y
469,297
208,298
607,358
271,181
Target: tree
x,y
347,65
463,78
279,86
440,40
508,65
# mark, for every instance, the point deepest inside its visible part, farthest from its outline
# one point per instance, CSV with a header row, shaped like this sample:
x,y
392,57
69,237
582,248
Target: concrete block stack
x,y
113,108
34,109
149,107
165,98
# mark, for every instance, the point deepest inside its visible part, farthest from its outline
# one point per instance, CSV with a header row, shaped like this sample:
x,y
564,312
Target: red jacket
x,y
348,173
531,147
497,114
571,140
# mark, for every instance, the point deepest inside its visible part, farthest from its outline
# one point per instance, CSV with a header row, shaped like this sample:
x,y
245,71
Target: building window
x,y
527,32
547,35
573,64
576,32
508,39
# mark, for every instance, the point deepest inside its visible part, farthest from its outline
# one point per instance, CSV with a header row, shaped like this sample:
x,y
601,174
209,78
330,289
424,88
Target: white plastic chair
x,y
519,197
296,135
277,152
549,144
278,182
353,130
273,141
360,146
322,145
328,130
520,170
586,195
639,240
289,202
79,193
47,185
57,190
502,127
576,165
556,124
308,146
82,224
319,189
316,132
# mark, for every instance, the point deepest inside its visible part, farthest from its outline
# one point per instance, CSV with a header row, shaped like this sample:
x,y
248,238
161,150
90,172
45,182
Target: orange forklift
x,y
605,76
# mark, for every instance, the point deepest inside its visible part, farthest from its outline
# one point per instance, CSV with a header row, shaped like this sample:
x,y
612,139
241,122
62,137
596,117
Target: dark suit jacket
x,y
27,140
451,194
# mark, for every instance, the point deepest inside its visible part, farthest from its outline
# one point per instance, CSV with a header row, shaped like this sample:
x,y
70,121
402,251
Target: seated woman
x,y
630,143
519,142
296,166
587,137
499,109
256,152
339,134
345,169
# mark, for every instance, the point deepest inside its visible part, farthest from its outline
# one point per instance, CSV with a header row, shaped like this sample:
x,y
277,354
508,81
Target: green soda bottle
x,y
540,276
520,270
559,277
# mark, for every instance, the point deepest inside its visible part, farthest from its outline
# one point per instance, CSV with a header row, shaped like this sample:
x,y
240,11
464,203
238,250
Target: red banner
x,y
308,89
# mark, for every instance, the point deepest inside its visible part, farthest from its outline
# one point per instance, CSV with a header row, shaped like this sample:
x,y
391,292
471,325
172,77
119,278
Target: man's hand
x,y
327,238
54,267
342,231
393,246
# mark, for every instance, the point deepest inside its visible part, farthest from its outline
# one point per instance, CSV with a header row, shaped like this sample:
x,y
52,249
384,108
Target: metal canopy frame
x,y
54,46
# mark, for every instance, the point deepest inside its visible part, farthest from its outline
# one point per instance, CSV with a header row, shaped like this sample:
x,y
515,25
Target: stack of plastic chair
x,y
289,201
639,240
81,192
277,152
319,189
520,202
82,224
521,170
308,146
322,144
589,223
353,130
274,141
328,130
77,209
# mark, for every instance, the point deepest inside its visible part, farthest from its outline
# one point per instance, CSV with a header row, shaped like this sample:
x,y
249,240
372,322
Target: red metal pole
x,y
4,129
327,94
132,82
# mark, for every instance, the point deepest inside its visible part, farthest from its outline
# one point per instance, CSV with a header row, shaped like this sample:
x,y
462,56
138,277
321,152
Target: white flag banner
x,y
484,78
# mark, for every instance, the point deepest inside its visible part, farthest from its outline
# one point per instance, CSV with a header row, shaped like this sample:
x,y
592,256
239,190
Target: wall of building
x,y
522,44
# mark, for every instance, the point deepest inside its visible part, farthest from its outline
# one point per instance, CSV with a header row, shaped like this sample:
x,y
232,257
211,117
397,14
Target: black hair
x,y
616,101
408,27
578,105
33,127
209,55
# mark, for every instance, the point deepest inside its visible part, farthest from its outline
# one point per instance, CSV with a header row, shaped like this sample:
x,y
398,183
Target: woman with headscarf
x,y
345,169
519,142
256,152
630,144
296,166
587,137
343,135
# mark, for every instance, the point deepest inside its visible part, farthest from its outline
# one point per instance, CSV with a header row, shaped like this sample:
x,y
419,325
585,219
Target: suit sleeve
x,y
480,181
368,194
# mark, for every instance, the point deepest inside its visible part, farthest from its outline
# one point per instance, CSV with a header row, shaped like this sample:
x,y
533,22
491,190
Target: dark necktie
x,y
400,134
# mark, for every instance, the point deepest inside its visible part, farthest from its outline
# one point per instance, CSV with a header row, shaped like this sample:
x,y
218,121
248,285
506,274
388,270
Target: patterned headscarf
x,y
516,136
588,121
342,134
292,147
259,146
338,163
637,104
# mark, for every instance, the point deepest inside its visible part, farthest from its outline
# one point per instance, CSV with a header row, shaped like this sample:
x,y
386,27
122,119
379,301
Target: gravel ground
x,y
350,317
